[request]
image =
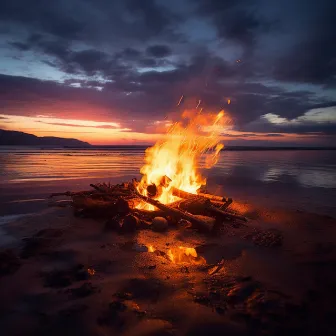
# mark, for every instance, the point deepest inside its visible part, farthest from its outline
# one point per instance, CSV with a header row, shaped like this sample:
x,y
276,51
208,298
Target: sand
x,y
64,275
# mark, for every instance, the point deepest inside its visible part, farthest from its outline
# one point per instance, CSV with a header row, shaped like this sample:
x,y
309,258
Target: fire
x,y
175,158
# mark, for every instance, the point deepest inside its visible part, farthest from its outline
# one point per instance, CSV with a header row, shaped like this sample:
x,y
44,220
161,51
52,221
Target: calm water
x,y
303,180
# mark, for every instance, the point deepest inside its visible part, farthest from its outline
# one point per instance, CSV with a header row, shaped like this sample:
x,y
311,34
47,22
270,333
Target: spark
x,y
180,101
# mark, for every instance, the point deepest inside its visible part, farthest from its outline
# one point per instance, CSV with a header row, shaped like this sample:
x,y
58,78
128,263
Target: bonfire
x,y
171,192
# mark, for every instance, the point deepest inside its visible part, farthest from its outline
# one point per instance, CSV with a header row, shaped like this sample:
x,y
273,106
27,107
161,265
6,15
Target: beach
x,y
273,275
277,277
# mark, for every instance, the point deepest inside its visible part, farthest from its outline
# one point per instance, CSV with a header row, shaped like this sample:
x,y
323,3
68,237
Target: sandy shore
x,y
63,275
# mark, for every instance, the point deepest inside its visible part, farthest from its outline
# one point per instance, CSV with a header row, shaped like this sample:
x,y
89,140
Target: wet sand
x,y
64,275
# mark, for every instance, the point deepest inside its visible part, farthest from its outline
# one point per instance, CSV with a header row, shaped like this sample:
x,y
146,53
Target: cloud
x,y
90,20
154,95
158,51
132,60
274,135
237,21
115,126
315,121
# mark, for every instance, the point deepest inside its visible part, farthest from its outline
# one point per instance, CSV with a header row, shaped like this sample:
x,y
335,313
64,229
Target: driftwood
x,y
197,223
106,200
208,204
186,195
225,214
70,193
213,197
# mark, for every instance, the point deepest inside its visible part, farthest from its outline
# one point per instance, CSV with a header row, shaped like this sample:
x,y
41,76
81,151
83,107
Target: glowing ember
x,y
176,157
150,248
91,271
180,255
185,255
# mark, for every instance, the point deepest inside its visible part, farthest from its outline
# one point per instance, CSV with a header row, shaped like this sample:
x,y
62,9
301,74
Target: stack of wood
x,y
120,203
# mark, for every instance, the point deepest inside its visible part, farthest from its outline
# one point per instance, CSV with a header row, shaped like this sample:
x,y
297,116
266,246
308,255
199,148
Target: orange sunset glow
x,y
110,132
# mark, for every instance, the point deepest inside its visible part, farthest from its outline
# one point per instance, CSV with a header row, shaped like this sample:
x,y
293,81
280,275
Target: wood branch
x,y
111,192
197,205
219,212
194,206
177,204
70,193
98,188
186,195
197,223
183,194
213,270
226,204
147,213
213,197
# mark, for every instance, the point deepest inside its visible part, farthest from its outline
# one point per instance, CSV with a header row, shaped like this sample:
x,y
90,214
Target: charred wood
x,y
197,223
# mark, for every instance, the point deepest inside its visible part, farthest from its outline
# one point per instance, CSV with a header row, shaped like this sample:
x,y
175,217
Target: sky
x,y
112,72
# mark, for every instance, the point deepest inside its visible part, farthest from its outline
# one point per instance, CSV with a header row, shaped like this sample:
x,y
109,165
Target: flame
x,y
177,155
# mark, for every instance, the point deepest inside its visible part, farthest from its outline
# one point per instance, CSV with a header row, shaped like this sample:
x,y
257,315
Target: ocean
x,y
296,179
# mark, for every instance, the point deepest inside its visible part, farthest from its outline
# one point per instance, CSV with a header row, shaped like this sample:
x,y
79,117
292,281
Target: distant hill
x,y
14,138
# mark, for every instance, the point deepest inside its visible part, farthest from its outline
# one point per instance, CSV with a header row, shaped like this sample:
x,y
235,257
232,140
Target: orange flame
x,y
177,155
179,255
185,255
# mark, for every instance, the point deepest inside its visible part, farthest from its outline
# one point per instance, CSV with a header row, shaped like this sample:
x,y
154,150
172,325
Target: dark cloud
x,y
327,128
242,135
136,58
77,125
129,54
312,58
238,21
85,20
150,95
274,135
154,16
20,45
159,51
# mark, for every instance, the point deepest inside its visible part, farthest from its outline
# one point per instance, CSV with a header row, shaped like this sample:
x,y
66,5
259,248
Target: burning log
x,y
215,211
208,204
213,197
152,190
197,223
183,194
187,195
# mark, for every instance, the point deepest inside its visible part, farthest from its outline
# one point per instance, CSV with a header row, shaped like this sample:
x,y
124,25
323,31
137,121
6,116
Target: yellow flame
x,y
177,155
